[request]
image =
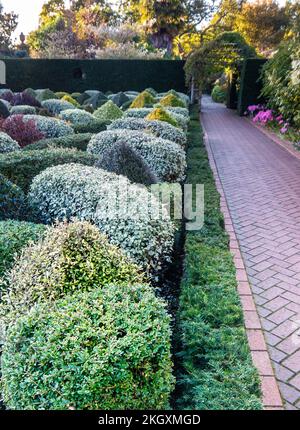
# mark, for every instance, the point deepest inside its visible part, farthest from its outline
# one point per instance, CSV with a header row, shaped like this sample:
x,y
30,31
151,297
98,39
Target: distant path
x,y
261,182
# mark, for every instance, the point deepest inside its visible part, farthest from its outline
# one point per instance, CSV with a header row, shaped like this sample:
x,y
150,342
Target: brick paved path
x,y
261,182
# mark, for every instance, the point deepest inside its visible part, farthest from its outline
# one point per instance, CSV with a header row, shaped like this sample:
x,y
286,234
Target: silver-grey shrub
x,y
165,158
157,128
50,127
87,193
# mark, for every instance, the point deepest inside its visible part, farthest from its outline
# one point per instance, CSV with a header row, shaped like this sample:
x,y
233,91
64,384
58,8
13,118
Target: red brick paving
x,y
261,183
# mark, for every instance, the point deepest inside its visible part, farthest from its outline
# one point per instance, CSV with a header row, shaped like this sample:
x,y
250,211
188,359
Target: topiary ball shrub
x,y
7,144
69,99
61,94
22,131
45,94
151,91
14,236
165,159
108,112
172,100
144,99
69,258
50,127
12,200
88,193
124,160
23,110
218,94
56,106
157,128
160,114
77,116
22,166
106,349
76,141
93,127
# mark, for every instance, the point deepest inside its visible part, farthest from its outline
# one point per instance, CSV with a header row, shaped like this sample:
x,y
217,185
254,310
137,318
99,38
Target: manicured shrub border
x,y
216,369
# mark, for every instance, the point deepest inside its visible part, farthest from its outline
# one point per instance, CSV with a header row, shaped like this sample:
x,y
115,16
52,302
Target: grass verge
x,y
216,369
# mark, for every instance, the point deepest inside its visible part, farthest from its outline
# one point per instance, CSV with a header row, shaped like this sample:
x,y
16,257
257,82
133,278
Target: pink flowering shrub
x,y
267,117
24,132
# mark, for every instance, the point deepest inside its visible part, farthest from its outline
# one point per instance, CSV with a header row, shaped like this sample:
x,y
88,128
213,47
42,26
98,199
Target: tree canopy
x,y
8,24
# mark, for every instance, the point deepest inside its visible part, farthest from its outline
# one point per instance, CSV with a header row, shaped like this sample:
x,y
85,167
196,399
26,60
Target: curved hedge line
x,y
77,141
22,166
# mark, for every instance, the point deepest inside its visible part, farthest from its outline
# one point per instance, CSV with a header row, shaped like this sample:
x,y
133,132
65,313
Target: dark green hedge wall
x,y
250,86
104,75
232,92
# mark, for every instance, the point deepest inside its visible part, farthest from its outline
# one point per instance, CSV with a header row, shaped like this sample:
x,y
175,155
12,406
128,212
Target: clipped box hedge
x,y
105,75
21,167
250,85
216,369
76,141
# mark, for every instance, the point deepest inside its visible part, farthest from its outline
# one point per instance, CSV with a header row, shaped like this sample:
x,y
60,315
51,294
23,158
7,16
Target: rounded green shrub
x,y
15,235
160,114
172,100
218,94
71,257
21,167
70,99
105,349
23,110
76,116
165,159
73,190
56,106
108,112
76,141
45,94
144,99
61,94
12,200
124,160
159,129
50,127
7,144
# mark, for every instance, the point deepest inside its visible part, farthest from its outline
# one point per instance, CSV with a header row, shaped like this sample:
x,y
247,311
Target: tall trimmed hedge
x,y
104,75
251,84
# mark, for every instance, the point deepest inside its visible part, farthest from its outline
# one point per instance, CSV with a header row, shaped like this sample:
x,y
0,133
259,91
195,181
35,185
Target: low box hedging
x,y
76,141
217,369
105,349
21,167
93,127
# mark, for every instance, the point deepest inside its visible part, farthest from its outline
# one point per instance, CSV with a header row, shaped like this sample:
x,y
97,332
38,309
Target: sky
x,y
28,11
